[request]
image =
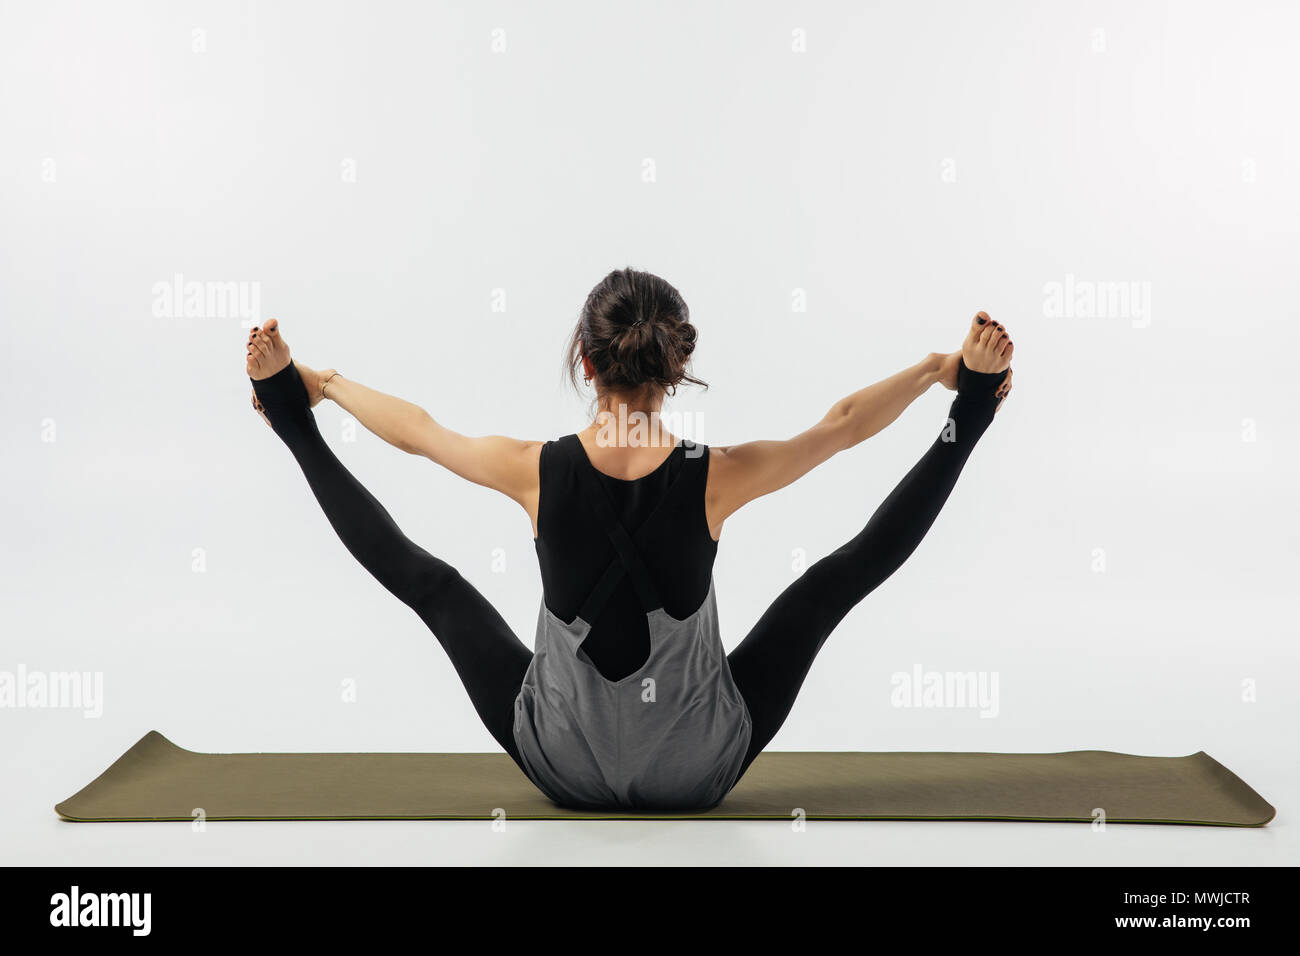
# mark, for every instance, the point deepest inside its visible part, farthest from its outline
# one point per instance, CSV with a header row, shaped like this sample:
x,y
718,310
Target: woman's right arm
x,y
507,465
740,473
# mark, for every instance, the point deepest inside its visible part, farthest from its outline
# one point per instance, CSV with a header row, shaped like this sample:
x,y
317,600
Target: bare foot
x,y
988,349
268,353
988,346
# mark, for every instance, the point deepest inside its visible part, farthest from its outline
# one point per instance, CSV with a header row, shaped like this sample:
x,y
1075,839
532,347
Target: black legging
x,y
769,665
487,655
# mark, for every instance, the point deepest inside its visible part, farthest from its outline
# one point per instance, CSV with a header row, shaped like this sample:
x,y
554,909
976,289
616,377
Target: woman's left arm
x,y
507,465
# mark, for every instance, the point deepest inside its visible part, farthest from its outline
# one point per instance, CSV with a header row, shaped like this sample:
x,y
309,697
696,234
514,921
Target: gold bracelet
x,y
324,383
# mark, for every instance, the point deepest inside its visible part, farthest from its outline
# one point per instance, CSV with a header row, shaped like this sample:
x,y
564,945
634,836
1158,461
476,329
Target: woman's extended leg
x,y
487,655
770,664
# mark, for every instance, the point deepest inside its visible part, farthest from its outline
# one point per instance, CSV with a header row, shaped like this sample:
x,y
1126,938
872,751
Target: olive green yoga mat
x,y
156,780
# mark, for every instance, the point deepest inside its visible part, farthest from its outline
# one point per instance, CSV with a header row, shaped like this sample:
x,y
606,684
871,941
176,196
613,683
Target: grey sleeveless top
x,y
671,736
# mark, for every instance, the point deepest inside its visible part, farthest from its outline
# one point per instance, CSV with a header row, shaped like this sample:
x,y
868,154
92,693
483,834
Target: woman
x,y
629,700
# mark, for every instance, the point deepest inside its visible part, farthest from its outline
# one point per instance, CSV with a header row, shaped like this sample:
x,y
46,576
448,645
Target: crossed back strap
x,y
627,559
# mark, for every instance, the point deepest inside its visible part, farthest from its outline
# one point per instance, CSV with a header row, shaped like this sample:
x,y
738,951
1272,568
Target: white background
x,y
918,162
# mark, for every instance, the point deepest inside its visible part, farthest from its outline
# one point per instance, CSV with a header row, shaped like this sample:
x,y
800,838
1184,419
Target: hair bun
x,y
636,330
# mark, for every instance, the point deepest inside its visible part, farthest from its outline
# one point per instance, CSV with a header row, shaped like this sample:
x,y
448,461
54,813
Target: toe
x,y
272,328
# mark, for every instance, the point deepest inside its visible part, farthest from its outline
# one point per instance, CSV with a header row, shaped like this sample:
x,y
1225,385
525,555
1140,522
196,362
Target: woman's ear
x,y
588,369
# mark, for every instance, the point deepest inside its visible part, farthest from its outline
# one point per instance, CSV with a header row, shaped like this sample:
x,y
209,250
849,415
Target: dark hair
x,y
637,331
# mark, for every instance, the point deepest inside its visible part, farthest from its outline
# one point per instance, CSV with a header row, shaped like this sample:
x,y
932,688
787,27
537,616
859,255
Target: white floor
x,y
41,839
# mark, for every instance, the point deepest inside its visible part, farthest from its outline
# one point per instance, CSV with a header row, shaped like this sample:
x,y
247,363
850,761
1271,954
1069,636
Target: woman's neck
x,y
630,420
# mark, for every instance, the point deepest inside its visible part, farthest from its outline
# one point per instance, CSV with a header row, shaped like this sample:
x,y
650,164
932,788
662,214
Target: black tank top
x,y
573,550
